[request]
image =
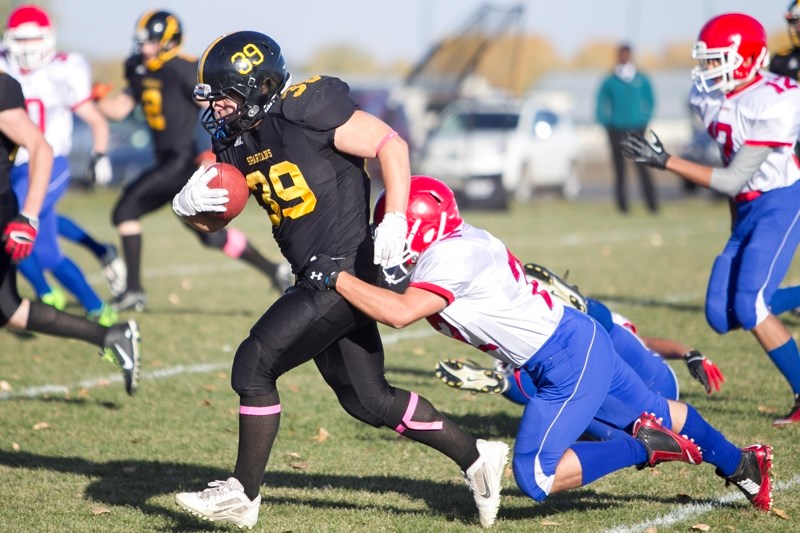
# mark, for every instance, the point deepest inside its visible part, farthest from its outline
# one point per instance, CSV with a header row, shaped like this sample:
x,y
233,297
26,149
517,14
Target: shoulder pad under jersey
x,y
320,102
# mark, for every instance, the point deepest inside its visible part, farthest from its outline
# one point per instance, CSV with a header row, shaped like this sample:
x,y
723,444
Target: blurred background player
x,y
118,344
162,80
787,62
55,86
755,118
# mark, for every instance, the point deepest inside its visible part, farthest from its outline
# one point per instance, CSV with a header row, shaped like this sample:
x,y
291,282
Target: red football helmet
x,y
731,49
29,37
432,213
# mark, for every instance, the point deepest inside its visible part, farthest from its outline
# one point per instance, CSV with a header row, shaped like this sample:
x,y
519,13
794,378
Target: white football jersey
x,y
767,113
51,93
491,305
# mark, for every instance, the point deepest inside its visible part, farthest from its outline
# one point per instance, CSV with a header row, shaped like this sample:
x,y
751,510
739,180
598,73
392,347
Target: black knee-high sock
x,y
259,420
416,418
45,319
132,247
235,244
253,257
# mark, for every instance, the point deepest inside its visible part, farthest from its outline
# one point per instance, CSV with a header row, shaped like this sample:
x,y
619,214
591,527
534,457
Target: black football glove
x,y
320,274
703,370
635,146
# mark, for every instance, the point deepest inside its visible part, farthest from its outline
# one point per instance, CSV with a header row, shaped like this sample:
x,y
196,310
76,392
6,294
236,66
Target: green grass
x,y
124,458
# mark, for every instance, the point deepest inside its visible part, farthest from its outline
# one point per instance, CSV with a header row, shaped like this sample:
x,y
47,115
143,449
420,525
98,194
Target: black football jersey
x,y
786,64
316,197
167,102
10,98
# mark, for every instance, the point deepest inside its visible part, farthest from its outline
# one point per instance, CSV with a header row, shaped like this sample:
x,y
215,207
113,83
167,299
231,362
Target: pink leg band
x,y
260,411
410,424
384,141
236,243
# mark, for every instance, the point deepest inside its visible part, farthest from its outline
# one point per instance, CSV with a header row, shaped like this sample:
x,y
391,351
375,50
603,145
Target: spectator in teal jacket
x,y
625,103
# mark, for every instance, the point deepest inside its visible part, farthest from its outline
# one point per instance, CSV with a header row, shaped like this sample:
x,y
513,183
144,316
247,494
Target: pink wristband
x,y
384,141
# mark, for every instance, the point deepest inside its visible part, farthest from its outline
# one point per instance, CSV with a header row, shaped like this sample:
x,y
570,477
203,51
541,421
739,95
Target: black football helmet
x,y
246,67
161,27
792,16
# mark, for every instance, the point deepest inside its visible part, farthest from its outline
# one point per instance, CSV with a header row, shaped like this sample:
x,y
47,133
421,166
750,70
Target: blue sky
x,y
393,30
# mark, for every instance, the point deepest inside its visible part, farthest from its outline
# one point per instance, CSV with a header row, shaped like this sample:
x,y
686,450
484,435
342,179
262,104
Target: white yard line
x,y
683,513
51,389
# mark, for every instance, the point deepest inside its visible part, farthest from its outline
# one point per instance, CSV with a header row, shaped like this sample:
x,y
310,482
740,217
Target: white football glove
x,y
100,169
196,197
390,240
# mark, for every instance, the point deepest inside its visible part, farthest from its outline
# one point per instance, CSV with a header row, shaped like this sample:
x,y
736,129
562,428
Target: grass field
x,y
78,455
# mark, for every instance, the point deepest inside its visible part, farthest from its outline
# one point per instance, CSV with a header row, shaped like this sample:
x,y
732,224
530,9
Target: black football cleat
x,y
752,476
662,444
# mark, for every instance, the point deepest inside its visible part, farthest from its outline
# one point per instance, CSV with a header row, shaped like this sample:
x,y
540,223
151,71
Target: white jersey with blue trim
x,y
767,113
491,304
52,92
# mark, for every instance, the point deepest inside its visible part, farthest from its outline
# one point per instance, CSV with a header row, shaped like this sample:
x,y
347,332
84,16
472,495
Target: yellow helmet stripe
x,y
170,30
144,19
203,59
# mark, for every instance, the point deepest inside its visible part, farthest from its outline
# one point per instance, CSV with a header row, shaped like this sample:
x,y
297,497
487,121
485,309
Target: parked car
x,y
488,150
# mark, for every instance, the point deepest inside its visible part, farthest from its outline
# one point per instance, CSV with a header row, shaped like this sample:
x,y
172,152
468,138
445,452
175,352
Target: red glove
x,y
715,377
100,91
704,371
19,236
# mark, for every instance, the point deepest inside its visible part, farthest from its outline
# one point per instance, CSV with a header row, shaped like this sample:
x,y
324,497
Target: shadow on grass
x,y
135,483
71,401
496,426
500,425
411,372
179,310
648,302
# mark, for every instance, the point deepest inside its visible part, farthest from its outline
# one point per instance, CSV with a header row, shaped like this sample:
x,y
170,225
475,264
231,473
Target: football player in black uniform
x,y
787,63
119,344
302,149
162,80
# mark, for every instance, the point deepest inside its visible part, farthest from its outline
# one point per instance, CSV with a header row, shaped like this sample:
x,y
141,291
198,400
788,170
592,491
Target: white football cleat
x,y
484,478
114,271
556,286
467,375
223,501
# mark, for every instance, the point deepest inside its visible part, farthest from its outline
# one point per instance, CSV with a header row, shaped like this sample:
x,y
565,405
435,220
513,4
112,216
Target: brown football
x,y
228,177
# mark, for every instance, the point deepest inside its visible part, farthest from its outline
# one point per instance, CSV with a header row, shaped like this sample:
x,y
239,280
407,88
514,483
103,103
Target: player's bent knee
x,y
120,215
353,408
526,479
248,376
7,309
745,312
718,320
216,239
